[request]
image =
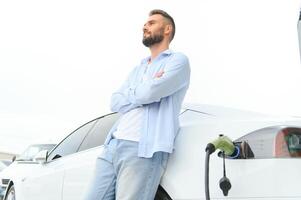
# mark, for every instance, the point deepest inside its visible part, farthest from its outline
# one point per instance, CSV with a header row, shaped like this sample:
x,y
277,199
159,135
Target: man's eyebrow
x,y
151,21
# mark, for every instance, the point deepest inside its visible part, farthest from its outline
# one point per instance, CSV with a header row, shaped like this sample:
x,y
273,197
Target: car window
x,y
72,142
273,142
98,133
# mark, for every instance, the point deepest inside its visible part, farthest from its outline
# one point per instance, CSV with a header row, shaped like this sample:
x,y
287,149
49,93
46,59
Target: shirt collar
x,y
166,52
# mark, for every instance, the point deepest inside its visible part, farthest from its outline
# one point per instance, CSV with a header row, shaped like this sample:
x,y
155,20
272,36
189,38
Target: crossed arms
x,y
176,76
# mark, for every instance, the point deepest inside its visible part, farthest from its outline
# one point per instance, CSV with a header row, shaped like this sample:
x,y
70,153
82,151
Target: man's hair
x,y
166,16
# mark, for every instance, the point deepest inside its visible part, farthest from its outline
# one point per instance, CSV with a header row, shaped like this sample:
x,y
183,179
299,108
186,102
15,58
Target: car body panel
x,y
78,174
44,183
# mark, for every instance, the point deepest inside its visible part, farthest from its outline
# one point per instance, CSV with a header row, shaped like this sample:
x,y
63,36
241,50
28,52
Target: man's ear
x,y
168,29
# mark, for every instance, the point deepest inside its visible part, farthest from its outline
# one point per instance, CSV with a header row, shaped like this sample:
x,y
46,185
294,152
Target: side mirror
x,y
13,158
41,157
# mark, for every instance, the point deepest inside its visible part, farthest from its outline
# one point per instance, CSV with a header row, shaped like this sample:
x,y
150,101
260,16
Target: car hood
x,y
17,169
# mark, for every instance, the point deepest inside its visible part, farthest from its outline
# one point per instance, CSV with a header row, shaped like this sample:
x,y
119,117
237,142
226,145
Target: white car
x,y
272,173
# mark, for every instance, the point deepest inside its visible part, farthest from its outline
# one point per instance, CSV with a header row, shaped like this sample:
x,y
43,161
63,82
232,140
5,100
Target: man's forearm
x,y
120,103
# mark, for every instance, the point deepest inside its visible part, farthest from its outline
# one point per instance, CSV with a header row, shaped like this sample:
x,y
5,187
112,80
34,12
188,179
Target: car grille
x,y
5,181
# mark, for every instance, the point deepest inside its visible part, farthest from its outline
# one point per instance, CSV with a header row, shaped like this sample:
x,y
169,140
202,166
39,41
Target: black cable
x,y
207,175
224,165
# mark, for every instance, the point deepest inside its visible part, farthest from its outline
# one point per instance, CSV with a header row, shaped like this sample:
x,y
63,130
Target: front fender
x,y
18,191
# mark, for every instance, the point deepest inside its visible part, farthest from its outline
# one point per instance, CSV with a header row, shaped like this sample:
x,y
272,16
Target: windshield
x,y
32,150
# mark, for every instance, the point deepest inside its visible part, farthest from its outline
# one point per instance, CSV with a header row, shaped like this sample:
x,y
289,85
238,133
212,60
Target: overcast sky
x,y
61,60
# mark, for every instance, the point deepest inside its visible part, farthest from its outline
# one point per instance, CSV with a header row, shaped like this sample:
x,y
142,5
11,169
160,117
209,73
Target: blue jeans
x,y
121,174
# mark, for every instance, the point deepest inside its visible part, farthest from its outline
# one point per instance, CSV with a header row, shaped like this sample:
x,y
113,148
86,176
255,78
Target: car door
x,y
46,182
80,166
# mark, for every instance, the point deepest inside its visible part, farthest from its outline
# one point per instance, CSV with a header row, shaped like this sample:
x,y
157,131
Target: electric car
x,y
270,172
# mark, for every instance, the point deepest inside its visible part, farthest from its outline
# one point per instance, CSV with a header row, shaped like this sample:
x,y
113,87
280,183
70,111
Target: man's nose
x,y
144,29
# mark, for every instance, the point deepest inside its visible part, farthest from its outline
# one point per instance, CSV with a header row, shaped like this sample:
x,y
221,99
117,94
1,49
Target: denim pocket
x,y
106,154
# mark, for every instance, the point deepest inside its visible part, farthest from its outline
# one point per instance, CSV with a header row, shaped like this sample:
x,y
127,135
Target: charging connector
x,y
227,147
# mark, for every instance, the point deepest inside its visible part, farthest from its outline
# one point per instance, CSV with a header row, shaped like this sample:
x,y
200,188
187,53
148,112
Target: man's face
x,y
153,30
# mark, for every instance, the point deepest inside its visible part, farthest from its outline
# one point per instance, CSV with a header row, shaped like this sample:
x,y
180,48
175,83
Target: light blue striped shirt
x,y
160,97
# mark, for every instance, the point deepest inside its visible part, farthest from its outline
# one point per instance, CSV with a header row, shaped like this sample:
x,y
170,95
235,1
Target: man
x,y
138,145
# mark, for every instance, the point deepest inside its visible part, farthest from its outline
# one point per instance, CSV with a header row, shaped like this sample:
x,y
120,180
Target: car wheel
x,y
11,195
162,194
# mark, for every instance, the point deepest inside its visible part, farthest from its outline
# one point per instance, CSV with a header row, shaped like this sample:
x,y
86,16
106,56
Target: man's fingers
x,y
159,74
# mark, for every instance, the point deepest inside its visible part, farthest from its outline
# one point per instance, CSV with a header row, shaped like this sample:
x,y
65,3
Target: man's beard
x,y
151,40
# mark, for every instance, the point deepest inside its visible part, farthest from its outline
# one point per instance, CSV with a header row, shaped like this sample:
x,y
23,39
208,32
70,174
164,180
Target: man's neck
x,y
157,49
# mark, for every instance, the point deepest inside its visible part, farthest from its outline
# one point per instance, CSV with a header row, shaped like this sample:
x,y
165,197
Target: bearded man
x,y
137,147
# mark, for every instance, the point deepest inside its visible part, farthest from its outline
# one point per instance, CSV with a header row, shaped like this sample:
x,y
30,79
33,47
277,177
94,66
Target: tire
x,y
162,194
11,194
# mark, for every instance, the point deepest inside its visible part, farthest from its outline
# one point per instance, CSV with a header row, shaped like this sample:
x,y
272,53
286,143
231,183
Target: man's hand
x,y
159,74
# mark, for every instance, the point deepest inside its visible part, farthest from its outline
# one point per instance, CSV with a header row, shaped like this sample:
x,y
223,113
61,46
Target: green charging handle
x,y
224,144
